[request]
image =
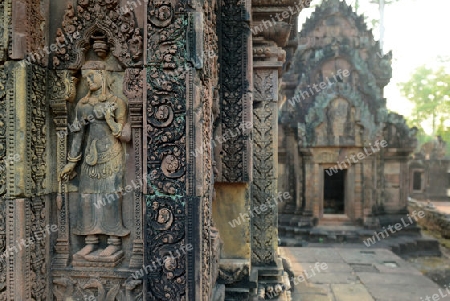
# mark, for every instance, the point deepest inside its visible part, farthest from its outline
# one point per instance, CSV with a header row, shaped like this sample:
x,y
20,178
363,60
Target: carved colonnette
x,y
134,89
4,284
5,16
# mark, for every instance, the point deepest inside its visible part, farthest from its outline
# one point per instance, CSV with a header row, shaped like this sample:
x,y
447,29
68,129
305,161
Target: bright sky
x,y
416,31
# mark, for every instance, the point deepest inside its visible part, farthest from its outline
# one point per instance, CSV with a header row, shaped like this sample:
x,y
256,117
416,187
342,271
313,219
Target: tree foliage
x,y
429,90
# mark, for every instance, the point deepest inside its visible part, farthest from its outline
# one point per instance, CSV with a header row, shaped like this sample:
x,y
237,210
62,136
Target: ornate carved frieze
x,y
235,100
102,24
100,287
27,31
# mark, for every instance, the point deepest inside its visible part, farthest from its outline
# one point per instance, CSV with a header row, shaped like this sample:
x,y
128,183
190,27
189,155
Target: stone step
x,y
290,242
335,220
406,245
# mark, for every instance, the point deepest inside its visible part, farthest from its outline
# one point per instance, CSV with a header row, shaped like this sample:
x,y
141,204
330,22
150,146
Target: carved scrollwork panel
x,y
166,255
165,130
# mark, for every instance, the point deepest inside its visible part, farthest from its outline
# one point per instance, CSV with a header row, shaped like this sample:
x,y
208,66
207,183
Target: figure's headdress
x,y
99,67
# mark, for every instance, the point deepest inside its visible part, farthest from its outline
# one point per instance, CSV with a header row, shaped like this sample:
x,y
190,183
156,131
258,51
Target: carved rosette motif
x,y
101,20
234,102
166,156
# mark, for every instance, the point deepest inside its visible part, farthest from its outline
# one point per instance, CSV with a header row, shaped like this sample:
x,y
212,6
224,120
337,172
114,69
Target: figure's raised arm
x,y
116,117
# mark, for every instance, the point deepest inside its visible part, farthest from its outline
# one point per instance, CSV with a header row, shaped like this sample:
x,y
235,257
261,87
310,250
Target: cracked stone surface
x,y
358,275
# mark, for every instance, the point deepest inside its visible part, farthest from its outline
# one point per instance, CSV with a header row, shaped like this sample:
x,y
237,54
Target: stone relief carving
x,y
100,122
39,265
62,90
3,263
3,157
264,233
235,106
38,133
5,13
210,236
263,86
24,34
102,22
165,130
96,288
133,86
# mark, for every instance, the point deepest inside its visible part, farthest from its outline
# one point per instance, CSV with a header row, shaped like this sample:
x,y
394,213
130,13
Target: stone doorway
x,y
334,191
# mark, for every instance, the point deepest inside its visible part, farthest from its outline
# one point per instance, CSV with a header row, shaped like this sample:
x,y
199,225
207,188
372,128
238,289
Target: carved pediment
x,y
101,25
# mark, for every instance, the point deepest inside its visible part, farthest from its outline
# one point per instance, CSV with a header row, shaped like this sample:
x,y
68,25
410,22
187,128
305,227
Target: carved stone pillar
x,y
265,156
24,191
133,85
181,79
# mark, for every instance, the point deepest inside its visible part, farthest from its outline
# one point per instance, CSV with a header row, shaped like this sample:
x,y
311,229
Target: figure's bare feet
x,y
89,248
110,250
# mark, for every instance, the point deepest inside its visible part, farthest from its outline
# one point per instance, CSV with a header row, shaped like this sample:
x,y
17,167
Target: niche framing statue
x,y
100,126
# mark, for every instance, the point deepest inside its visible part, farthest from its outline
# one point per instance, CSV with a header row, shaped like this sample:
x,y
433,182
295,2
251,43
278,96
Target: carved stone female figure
x,y
99,123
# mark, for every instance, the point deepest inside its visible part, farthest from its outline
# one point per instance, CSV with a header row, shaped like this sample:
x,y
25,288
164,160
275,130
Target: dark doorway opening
x,y
334,191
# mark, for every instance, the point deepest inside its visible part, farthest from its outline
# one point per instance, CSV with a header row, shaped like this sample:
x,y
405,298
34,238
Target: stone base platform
x,y
298,231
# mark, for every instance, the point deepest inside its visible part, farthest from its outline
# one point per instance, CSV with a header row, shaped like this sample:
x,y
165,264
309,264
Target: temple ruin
x,y
342,156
